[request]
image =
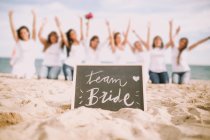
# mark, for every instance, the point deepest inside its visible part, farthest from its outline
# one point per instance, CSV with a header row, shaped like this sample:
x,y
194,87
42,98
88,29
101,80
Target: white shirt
x,y
124,56
92,56
142,57
106,55
157,60
183,64
52,55
24,59
76,55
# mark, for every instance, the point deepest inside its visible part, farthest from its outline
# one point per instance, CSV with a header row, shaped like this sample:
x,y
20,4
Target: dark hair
x,y
182,49
93,38
136,43
49,36
115,36
19,32
153,44
70,41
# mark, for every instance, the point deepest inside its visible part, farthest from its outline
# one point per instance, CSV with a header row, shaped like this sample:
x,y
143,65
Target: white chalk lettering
x,y
93,99
126,97
106,79
107,97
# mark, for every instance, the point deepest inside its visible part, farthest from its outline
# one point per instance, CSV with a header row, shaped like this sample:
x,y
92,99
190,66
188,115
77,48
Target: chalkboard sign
x,y
109,87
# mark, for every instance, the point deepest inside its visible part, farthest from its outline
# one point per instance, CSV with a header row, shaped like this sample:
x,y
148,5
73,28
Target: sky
x,y
192,15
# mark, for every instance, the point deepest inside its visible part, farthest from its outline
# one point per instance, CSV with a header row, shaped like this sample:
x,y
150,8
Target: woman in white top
x,y
122,53
92,45
51,66
141,53
157,69
76,51
180,66
23,62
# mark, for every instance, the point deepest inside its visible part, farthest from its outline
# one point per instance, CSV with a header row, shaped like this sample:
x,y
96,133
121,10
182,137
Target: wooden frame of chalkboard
x,y
143,81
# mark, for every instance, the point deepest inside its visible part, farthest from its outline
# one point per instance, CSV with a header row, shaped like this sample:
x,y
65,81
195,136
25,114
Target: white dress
x,y
52,55
77,55
183,64
23,62
158,60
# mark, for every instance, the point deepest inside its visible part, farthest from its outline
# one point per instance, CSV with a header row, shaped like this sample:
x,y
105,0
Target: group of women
x,y
89,50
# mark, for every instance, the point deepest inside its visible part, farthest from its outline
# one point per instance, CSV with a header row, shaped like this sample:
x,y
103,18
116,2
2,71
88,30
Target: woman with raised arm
x,y
76,53
92,45
118,46
23,62
157,70
180,66
140,50
52,50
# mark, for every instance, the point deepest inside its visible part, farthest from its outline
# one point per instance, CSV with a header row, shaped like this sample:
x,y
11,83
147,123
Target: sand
x,y
39,110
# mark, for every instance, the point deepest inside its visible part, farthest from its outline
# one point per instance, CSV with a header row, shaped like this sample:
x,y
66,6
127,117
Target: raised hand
x,y
34,25
57,21
81,19
87,23
10,13
107,23
134,32
178,30
33,12
149,24
170,22
12,26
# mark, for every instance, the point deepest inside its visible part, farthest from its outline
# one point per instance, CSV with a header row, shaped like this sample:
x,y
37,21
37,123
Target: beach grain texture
x,y
39,110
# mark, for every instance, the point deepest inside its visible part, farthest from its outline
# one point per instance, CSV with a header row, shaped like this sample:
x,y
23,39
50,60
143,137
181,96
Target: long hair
x,y
19,32
49,42
156,37
93,38
182,49
115,37
49,36
70,41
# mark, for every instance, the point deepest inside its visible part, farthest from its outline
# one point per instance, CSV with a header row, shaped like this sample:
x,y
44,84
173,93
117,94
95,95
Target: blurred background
x,y
191,15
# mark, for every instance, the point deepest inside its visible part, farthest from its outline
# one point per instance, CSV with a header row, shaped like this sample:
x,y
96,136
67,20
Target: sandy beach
x,y
39,110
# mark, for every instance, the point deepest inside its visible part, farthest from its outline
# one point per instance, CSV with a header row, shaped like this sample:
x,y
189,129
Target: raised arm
x,y
12,26
87,28
111,38
81,29
34,25
131,47
126,33
177,32
198,43
63,36
146,45
41,38
171,36
171,41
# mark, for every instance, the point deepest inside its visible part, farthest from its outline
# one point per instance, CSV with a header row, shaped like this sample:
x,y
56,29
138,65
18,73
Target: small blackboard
x,y
109,87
